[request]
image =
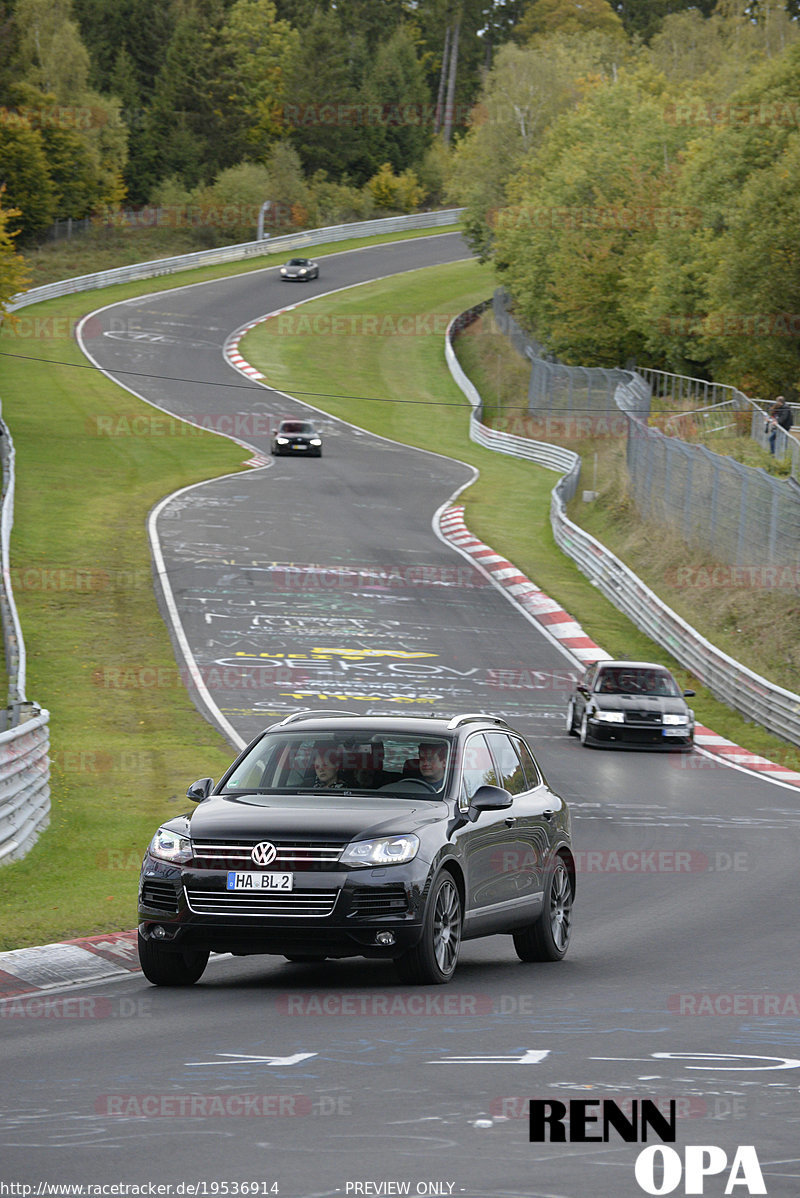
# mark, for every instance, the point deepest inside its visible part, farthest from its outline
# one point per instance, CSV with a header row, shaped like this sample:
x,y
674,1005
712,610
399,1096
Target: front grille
x,y
297,904
643,717
214,854
390,901
160,895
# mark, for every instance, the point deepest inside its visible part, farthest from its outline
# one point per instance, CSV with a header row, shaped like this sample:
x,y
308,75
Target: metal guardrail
x,y
755,697
24,786
24,740
236,253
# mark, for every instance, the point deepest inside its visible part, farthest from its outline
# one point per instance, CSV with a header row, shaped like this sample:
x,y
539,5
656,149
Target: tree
x,y
582,210
25,176
643,18
181,129
12,266
52,56
568,16
325,111
523,93
395,85
257,50
715,288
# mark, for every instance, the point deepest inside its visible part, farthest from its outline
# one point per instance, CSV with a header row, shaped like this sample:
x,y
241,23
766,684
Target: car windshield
x,y
636,682
347,761
298,261
296,426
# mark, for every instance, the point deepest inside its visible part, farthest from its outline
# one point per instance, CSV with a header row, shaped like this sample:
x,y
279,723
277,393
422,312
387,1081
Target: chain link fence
x,y
740,515
581,400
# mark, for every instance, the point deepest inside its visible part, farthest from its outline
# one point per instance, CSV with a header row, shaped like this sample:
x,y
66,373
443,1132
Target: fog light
x,y
385,939
158,933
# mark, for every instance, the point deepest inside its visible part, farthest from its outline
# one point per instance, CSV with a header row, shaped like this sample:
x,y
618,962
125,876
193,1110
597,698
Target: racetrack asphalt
x,y
679,976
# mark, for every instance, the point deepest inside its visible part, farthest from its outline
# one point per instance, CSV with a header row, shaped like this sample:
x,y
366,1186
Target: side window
x,y
512,776
589,677
532,774
478,768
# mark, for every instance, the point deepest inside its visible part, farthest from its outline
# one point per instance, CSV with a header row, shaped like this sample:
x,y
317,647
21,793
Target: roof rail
x,y
310,713
471,716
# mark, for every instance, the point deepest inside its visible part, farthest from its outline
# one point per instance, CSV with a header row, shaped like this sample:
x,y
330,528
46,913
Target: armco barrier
x,y
235,253
24,786
756,698
24,768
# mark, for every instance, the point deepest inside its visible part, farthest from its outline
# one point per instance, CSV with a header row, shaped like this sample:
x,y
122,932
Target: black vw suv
x,y
339,835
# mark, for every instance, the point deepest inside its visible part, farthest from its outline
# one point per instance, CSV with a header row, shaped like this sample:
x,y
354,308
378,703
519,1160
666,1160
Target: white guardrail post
x,y
24,745
755,697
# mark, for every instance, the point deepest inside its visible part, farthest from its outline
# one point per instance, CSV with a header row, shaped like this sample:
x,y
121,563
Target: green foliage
x,y
395,193
13,278
29,187
257,49
583,210
543,17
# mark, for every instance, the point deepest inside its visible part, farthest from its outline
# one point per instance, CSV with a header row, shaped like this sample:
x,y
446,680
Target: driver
x,y
327,767
432,763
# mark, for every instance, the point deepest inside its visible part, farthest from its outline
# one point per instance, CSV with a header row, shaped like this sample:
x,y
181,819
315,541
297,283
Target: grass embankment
x,y
125,738
509,505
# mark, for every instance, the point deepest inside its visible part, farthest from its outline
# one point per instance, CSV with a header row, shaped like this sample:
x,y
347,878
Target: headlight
x,y
303,271
388,850
171,846
316,441
282,440
610,717
669,718
283,270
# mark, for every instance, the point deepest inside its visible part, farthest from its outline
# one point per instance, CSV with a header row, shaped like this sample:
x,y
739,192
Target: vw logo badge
x,y
264,853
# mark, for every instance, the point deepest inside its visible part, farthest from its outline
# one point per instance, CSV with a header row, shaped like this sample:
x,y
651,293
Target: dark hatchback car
x,y
337,835
630,703
297,436
300,269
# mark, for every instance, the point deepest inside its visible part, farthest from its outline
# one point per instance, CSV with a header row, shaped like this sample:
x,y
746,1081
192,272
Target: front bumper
x,y
332,914
639,735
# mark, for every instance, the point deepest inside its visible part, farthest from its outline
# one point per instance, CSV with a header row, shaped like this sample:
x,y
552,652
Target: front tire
x,y
547,939
571,718
164,968
433,961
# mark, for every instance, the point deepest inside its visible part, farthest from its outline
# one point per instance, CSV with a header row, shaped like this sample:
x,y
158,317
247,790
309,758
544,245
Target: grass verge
x,y
508,506
125,738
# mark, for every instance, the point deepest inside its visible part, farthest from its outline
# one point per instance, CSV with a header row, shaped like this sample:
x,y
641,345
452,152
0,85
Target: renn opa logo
x,y
659,1169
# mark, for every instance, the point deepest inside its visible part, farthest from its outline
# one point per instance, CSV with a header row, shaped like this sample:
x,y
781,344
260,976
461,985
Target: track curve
x,y
684,865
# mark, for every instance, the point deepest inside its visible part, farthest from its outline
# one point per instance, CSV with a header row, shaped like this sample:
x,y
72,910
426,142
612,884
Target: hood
x,y
310,816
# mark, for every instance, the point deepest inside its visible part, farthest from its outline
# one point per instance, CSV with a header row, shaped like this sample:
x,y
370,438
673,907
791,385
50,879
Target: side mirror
x,y
200,790
582,690
488,798
689,694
